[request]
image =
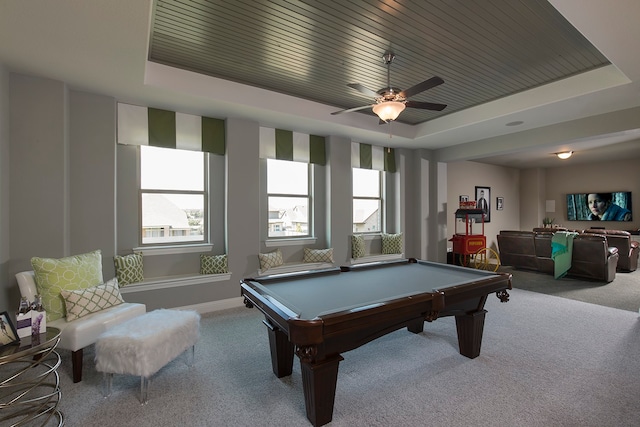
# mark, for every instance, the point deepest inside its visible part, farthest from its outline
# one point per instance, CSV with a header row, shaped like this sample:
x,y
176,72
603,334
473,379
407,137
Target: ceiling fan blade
x,y
421,87
348,110
425,105
364,90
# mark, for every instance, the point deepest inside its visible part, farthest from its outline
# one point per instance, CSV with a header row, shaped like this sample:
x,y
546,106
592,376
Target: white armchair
x,y
82,332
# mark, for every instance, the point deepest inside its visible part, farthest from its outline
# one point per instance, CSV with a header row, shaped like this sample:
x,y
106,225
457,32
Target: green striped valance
x,y
162,128
367,156
287,145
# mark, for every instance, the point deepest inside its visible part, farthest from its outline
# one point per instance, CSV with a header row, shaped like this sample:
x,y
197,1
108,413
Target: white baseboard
x,y
211,306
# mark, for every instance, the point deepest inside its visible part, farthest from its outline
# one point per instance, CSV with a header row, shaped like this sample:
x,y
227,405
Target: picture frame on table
x,y
8,333
499,203
483,201
463,198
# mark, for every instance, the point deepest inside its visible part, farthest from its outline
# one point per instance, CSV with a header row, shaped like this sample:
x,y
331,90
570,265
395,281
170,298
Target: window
x,y
288,198
367,201
173,196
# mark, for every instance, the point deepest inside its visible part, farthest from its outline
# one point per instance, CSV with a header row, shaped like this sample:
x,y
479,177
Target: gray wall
x,y
526,191
5,295
67,188
73,189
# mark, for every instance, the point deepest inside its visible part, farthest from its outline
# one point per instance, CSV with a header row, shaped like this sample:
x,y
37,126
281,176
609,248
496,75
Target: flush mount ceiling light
x,y
564,154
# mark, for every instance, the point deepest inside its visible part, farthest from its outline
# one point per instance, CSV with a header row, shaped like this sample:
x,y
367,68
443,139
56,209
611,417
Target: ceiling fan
x,y
391,101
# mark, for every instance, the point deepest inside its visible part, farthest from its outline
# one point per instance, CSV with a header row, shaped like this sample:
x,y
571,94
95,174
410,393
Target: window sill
x,y
173,282
290,242
171,250
376,258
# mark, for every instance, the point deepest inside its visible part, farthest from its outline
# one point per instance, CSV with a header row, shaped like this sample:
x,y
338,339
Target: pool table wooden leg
x,y
470,327
281,351
416,326
319,384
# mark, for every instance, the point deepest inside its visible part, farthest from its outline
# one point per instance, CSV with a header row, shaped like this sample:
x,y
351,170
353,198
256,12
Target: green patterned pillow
x,y
392,243
357,246
270,259
318,255
213,264
81,302
129,268
70,273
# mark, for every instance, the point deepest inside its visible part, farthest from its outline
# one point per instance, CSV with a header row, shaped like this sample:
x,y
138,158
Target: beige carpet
x,y
545,361
623,292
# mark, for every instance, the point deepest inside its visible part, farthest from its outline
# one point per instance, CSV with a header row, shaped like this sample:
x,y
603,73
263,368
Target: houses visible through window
x,y
288,198
367,201
173,195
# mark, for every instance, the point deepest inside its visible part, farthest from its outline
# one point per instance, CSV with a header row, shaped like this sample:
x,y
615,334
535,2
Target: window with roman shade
x,y
290,158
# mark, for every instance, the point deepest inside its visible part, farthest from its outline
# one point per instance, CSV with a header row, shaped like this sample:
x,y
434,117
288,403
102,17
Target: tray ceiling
x,y
312,49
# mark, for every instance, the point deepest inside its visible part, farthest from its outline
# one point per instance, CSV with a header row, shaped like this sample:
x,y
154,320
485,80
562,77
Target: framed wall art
x,y
483,201
8,333
499,203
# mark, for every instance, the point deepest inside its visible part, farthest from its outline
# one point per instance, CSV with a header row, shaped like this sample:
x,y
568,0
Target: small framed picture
x,y
464,198
499,203
8,333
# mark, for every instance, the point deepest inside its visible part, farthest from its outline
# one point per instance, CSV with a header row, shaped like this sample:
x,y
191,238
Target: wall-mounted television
x,y
614,206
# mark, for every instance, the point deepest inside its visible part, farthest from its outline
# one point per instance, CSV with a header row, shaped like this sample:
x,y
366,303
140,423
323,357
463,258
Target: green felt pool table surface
x,y
314,295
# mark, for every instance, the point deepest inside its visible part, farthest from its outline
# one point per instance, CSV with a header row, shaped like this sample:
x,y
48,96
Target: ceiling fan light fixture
x,y
564,154
388,110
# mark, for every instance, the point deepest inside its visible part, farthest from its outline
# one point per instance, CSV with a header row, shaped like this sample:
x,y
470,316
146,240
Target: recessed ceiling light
x,y
516,123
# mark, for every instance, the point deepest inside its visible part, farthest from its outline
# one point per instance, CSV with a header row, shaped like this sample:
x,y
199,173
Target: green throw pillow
x,y
318,255
270,259
81,302
357,246
392,243
65,274
129,268
213,264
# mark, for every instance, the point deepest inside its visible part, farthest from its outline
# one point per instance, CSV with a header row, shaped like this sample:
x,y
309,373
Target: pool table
x,y
317,315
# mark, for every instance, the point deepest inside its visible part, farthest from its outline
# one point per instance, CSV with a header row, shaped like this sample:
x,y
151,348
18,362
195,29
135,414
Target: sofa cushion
x,y
129,268
213,264
70,273
318,255
82,302
357,246
392,243
270,259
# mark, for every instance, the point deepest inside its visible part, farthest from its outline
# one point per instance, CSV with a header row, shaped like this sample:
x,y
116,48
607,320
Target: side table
x,y
29,381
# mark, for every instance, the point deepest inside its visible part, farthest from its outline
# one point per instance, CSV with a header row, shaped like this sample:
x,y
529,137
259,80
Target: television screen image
x,y
615,206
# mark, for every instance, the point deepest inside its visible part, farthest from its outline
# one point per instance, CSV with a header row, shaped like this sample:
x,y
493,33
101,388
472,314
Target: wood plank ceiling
x,y
311,49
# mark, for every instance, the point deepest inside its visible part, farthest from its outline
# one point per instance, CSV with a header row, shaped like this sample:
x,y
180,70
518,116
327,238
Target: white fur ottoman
x,y
144,344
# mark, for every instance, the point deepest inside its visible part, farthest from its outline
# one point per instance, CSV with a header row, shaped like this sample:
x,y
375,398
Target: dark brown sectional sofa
x,y
628,249
592,257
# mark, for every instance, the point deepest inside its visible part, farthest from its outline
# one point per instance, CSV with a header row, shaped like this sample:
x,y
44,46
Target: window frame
x,y
381,199
205,192
310,200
